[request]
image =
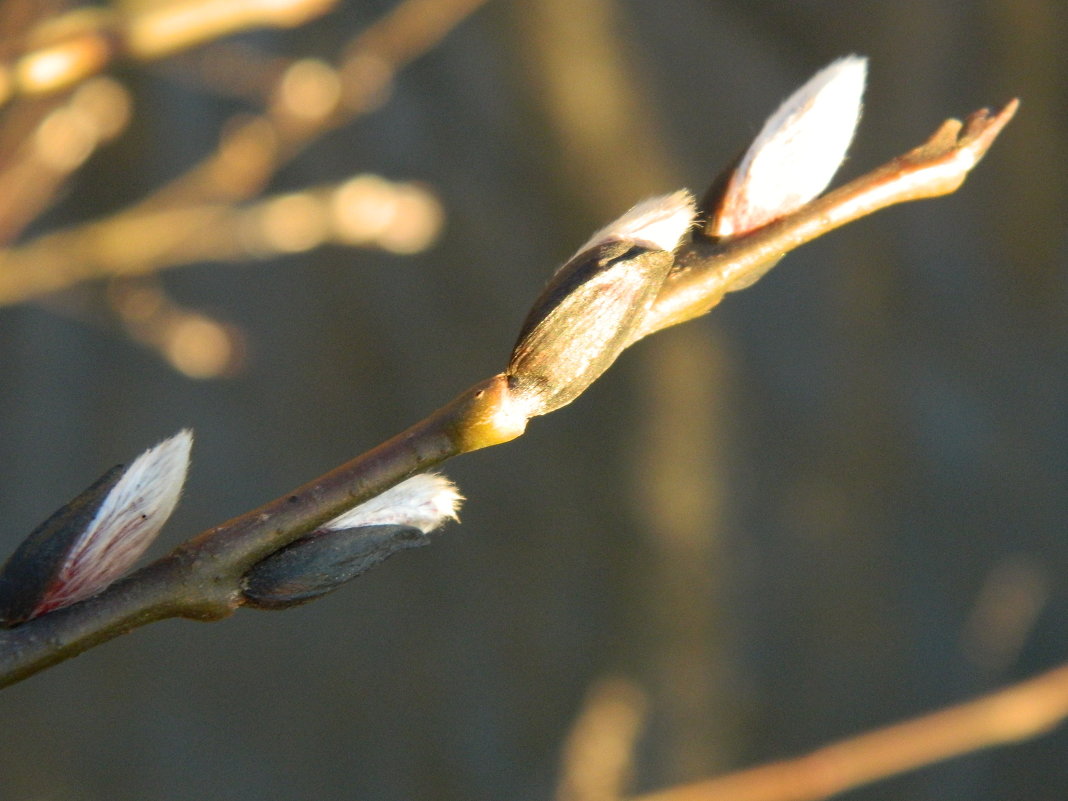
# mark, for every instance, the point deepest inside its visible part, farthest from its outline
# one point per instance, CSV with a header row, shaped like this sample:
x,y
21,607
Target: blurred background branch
x,y
194,218
1015,713
598,759
66,49
365,211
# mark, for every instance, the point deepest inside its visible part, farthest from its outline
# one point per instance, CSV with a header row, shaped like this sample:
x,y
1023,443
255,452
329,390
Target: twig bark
x,y
202,578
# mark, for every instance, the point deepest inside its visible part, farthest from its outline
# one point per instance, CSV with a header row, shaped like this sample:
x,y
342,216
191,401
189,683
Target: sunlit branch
x,y
708,270
61,141
311,97
202,578
193,218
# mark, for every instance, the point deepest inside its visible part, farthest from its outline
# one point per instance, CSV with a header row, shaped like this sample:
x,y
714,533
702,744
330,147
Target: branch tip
x,y
982,127
958,146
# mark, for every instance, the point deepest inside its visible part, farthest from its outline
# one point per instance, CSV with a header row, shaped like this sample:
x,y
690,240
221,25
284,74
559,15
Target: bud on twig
x,y
587,314
93,540
424,501
796,153
314,566
400,518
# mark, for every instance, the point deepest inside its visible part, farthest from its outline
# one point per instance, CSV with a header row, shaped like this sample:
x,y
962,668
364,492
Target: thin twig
x,y
62,140
1018,712
202,578
364,73
707,270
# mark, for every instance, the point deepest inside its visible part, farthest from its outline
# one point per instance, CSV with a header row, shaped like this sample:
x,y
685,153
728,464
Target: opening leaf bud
x,y
424,501
795,155
592,306
93,540
402,517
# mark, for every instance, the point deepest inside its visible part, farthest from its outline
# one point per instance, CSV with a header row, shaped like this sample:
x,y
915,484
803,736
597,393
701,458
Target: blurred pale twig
x,y
1015,713
598,755
1010,601
67,135
366,211
67,49
192,219
193,343
310,97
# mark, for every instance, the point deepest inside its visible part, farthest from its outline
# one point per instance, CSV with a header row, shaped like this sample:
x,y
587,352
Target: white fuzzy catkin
x,y
126,523
424,501
798,150
657,223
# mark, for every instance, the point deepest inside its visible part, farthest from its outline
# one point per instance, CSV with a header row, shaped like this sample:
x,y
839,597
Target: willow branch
x,y
202,579
1018,712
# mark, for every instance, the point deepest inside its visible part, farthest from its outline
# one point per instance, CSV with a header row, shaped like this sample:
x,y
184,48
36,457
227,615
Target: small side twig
x,y
202,578
708,270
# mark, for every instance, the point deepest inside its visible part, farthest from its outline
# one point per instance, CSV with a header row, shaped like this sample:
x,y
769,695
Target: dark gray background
x,y
777,520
